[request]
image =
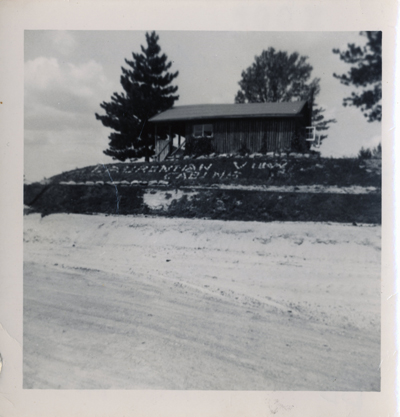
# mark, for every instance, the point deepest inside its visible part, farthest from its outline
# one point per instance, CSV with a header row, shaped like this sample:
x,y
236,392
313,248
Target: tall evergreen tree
x,y
276,76
147,92
365,75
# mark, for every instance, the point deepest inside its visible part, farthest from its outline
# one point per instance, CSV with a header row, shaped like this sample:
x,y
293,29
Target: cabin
x,y
232,128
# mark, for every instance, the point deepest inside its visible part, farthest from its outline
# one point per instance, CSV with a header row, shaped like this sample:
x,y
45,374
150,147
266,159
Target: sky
x,y
69,73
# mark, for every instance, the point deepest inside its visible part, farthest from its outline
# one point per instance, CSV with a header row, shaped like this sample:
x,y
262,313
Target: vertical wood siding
x,y
267,135
253,134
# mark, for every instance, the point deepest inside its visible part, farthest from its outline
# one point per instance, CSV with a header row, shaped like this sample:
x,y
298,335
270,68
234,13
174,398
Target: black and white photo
x,y
203,210
198,211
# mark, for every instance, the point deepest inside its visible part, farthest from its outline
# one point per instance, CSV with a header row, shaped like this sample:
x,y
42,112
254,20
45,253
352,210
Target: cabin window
x,y
203,131
208,131
198,131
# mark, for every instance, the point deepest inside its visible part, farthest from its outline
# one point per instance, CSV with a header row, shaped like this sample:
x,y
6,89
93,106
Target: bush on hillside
x,y
368,153
365,153
197,147
244,150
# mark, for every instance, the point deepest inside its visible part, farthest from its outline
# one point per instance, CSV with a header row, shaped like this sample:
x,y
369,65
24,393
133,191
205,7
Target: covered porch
x,y
169,140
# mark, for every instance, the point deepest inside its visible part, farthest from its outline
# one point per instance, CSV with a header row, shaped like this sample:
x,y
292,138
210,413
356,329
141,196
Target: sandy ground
x,y
158,303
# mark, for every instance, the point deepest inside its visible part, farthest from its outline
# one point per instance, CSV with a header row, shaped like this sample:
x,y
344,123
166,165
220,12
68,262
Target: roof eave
x,y
256,116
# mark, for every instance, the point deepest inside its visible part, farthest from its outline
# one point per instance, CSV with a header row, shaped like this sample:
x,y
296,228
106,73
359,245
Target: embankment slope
x,y
298,188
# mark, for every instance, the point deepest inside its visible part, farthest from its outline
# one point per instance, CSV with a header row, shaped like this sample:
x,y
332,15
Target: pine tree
x,y
147,92
276,76
365,74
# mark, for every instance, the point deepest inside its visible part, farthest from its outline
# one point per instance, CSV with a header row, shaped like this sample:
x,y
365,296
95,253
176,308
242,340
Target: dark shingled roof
x,y
230,111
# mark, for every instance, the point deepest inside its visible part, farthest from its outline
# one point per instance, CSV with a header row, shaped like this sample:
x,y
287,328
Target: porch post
x,y
170,138
155,139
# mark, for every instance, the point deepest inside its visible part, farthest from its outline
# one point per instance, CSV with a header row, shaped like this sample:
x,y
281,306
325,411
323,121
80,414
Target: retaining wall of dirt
x,y
221,204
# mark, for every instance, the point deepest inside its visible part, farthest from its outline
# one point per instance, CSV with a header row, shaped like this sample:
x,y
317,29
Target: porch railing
x,y
173,154
164,151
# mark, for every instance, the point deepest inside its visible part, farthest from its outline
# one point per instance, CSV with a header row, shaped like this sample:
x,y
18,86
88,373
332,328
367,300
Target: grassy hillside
x,y
240,171
133,188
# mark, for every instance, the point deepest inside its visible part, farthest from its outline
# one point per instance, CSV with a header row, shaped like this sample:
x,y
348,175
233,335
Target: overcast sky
x,y
69,73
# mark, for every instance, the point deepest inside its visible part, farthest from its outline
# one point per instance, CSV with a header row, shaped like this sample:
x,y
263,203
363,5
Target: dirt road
x,y
156,303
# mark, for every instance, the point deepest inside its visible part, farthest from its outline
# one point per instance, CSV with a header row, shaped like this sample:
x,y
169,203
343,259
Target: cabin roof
x,y
230,111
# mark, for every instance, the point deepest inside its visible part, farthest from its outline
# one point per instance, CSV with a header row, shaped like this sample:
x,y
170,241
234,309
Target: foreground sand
x,y
157,303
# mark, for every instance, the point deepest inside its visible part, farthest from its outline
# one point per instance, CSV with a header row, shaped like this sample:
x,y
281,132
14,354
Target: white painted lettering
x,y
189,168
218,175
194,175
154,168
236,174
239,166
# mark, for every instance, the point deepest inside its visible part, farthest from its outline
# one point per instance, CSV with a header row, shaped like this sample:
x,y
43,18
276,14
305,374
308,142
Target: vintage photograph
x,y
202,210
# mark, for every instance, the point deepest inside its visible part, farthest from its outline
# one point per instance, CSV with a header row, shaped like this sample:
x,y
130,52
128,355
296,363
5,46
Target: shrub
x,y
197,147
365,153
244,150
377,151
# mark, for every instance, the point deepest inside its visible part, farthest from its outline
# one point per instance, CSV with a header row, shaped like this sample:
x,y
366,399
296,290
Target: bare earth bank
x,y
158,303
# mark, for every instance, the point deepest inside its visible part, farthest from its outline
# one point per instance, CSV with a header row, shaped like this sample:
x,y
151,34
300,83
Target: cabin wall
x,y
267,135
